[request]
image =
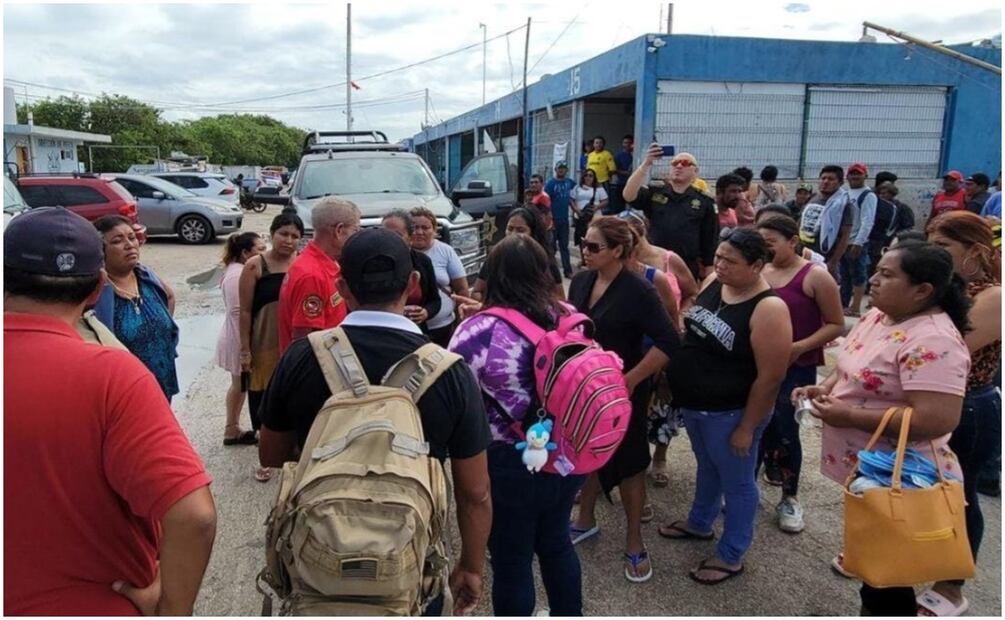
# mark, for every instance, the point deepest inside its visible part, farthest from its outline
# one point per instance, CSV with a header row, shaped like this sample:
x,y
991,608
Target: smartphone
x,y
668,150
245,381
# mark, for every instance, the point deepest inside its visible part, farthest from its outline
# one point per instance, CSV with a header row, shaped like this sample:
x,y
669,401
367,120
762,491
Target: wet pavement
x,y
196,347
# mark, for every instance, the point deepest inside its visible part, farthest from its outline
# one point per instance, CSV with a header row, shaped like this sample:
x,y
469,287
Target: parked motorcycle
x,y
248,202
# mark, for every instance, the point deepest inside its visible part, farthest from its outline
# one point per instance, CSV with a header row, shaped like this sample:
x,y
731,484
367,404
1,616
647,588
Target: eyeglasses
x,y
593,248
682,163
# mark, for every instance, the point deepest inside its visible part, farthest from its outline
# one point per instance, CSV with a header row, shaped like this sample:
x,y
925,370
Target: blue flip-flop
x,y
634,559
578,534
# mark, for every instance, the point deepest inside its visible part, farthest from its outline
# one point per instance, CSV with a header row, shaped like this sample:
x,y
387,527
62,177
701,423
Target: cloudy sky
x,y
193,60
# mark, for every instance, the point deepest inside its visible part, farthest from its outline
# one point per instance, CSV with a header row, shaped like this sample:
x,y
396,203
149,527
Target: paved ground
x,y
786,574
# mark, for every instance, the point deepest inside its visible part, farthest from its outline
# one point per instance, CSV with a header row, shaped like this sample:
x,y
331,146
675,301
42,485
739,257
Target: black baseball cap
x,y
375,261
52,241
980,179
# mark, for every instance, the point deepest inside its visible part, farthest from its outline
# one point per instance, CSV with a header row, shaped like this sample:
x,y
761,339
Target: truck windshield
x,y
364,176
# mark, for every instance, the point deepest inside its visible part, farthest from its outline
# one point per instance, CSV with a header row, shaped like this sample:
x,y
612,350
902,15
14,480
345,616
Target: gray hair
x,y
332,210
404,216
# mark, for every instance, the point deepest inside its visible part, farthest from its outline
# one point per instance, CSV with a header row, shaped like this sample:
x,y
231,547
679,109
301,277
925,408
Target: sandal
x,y
263,474
247,438
837,565
579,534
648,514
678,531
938,605
659,473
727,573
632,563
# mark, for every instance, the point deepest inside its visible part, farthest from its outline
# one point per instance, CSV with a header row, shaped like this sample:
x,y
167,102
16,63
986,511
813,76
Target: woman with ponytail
x,y
969,241
239,248
907,351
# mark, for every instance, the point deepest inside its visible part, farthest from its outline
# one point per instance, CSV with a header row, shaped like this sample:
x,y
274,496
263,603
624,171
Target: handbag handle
x,y
898,466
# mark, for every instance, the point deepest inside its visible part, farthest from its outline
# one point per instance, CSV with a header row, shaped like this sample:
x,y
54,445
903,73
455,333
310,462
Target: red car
x,y
87,195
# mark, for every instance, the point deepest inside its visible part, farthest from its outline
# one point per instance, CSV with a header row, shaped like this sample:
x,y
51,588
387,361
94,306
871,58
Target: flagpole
x,y
348,66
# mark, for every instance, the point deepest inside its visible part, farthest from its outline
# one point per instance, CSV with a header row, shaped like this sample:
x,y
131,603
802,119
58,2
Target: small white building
x,y
36,149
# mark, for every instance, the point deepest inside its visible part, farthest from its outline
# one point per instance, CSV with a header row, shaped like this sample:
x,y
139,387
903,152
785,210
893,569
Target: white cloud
x,y
210,53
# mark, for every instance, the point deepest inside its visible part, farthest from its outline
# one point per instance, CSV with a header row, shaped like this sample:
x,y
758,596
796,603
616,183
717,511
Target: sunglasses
x,y
592,247
682,163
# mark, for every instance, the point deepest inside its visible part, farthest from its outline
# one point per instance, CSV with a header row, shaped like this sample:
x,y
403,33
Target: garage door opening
x,y
611,115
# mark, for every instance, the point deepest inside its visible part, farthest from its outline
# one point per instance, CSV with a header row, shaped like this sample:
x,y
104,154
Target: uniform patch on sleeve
x,y
312,306
336,299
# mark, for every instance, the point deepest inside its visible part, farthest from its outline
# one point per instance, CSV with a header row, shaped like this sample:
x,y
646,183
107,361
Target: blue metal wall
x,y
973,126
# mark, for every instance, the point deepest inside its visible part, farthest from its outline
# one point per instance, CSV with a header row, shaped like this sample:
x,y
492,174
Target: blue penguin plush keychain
x,y
536,447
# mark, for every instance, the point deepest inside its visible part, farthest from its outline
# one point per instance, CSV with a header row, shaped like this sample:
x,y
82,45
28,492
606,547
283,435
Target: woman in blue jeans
x,y
725,377
530,512
968,239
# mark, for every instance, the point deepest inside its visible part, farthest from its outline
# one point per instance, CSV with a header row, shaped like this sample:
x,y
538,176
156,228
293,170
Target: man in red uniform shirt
x,y
107,509
308,299
952,197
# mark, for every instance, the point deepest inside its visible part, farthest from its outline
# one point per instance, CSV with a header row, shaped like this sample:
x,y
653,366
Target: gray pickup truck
x,y
377,176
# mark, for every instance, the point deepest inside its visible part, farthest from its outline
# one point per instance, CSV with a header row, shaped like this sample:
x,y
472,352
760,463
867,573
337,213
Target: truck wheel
x,y
194,229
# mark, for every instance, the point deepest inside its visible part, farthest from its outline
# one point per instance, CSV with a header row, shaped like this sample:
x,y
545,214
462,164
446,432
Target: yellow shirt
x,y
701,186
601,163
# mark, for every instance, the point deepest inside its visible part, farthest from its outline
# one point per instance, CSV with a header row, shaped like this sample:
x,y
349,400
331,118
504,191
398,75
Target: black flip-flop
x,y
728,572
684,534
247,438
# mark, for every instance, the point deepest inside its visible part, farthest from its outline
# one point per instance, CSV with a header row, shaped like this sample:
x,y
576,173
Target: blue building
x,y
741,101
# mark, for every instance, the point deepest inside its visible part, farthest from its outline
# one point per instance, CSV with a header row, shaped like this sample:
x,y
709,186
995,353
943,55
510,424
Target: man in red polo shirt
x,y
107,509
953,196
308,299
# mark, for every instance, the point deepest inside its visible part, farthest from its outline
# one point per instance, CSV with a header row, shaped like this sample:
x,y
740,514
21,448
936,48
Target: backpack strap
x,y
338,361
524,326
418,371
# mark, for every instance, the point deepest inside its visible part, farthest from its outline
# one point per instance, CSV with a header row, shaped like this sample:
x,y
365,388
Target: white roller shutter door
x,y
730,124
894,128
548,133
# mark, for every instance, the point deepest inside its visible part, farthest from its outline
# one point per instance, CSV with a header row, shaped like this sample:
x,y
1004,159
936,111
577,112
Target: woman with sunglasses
x,y
967,238
586,199
625,309
738,330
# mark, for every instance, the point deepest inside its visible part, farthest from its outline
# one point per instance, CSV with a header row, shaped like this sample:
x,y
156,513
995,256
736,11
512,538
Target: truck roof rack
x,y
321,141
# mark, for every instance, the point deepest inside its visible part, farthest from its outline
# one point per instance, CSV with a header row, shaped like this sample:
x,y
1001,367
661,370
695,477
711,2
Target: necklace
x,y
724,304
135,298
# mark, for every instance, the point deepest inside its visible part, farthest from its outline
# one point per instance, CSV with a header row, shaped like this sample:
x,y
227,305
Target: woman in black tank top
x,y
725,377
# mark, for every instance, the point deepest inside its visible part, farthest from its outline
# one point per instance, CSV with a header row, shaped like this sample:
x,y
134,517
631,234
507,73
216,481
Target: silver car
x,y
205,184
167,209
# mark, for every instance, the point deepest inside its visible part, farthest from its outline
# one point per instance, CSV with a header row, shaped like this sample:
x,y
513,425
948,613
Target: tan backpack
x,y
359,523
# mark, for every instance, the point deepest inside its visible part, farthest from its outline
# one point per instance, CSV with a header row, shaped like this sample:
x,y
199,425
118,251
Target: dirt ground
x,y
786,574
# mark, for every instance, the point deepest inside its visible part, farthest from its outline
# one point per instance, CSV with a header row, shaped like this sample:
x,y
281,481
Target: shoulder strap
x,y
526,328
418,371
338,361
861,197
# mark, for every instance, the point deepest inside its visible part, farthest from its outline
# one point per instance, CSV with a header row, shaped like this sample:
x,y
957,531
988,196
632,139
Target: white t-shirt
x,y
447,266
583,195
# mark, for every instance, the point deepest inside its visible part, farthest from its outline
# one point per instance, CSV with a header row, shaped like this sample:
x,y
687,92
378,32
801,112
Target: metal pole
x,y
90,159
485,30
427,108
348,66
670,19
936,48
525,151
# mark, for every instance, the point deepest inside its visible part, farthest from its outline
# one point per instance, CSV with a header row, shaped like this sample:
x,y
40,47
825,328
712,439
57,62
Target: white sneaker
x,y
790,515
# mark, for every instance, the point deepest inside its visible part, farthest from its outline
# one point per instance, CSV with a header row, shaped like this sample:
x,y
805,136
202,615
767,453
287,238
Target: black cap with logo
x,y
52,241
375,261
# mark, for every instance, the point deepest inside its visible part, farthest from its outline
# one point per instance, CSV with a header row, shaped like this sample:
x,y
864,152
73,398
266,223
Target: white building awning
x,y
55,134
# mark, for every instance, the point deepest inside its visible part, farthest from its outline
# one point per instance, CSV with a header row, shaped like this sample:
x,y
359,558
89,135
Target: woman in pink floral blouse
x,y
906,352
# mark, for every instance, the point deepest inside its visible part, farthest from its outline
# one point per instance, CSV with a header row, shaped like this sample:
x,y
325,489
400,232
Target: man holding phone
x,y
682,219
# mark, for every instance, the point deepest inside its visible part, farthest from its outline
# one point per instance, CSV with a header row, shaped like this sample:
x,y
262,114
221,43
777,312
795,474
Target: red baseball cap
x,y
953,174
857,167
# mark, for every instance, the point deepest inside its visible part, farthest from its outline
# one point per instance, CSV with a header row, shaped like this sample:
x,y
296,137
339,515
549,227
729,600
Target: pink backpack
x,y
580,386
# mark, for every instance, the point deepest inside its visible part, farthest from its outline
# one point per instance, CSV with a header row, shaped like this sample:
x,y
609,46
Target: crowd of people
x,y
718,305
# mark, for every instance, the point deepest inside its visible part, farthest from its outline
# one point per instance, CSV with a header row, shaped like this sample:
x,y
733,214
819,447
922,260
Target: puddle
x,y
196,346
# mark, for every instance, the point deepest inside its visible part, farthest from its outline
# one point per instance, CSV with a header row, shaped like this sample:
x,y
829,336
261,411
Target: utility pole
x,y
427,109
670,18
525,151
485,31
348,66
935,48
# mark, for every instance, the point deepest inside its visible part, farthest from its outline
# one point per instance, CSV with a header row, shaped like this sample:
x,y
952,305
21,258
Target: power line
x,y
560,35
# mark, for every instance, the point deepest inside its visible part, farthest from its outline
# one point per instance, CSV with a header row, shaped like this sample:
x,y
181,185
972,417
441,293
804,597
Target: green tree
x,y
63,112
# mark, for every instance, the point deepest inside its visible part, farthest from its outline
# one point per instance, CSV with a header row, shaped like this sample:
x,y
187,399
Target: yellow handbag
x,y
903,537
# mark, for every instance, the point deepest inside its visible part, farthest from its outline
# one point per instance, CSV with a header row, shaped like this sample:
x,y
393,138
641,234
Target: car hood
x,y
379,205
207,202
